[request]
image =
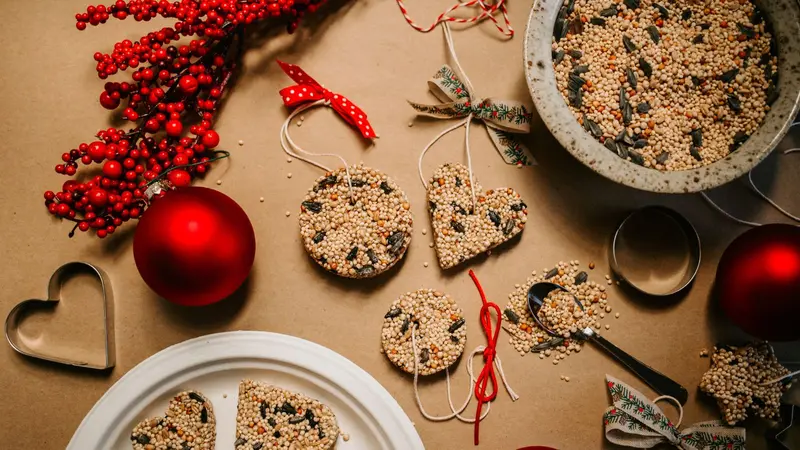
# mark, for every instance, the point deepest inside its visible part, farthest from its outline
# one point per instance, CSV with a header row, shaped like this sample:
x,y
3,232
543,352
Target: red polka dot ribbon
x,y
487,11
487,373
308,90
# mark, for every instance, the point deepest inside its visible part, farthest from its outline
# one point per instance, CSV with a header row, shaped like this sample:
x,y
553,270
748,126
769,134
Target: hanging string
x,y
487,12
218,154
754,188
288,144
776,380
677,405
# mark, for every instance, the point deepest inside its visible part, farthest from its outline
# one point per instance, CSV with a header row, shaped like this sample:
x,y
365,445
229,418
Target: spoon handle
x,y
660,383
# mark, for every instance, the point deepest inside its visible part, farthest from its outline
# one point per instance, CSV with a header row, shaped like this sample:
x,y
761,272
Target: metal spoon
x,y
656,380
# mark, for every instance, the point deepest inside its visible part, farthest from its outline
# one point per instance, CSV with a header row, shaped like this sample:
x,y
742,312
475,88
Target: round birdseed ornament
x,y
439,328
356,229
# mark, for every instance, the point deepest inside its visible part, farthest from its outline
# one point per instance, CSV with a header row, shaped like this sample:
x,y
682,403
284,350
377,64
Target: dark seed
x,y
296,419
641,143
630,47
519,206
240,441
404,327
654,34
661,10
312,206
458,208
705,26
143,439
558,56
197,397
695,152
632,4
321,434
758,402
643,108
611,11
288,409
385,188
696,81
570,6
697,137
631,77
547,345
772,94
327,181
575,82
624,138
551,274
424,355
319,237
357,183
698,39
454,339
622,151
395,237
768,72
457,226
394,312
623,100
599,21
458,181
456,325
575,97
765,59
204,415
372,257
352,255
748,31
397,246
564,29
611,145
309,415
627,113
509,226
728,76
686,14
511,315
734,103
577,54
432,206
577,70
365,271
276,434
258,445
263,410
738,139
757,17
646,67
746,59
495,218
581,278
271,421
592,127
662,158
636,157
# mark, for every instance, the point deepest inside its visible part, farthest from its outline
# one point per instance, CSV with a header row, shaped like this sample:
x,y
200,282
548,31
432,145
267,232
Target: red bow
x,y
487,373
308,90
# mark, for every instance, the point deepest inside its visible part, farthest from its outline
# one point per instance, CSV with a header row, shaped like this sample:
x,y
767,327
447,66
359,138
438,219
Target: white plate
x,y
215,364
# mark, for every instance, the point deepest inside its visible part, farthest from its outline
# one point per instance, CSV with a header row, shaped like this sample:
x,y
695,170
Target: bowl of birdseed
x,y
671,96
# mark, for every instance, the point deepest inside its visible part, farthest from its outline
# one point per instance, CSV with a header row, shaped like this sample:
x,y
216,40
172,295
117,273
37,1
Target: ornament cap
x,y
156,189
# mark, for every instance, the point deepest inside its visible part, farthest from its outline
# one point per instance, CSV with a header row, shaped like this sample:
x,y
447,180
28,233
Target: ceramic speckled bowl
x,y
784,16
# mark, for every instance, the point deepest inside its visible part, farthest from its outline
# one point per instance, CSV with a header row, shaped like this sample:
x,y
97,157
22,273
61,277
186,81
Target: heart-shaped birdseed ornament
x,y
461,232
16,315
189,423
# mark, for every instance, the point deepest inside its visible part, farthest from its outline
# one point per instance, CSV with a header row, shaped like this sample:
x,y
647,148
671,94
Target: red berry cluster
x,y
171,98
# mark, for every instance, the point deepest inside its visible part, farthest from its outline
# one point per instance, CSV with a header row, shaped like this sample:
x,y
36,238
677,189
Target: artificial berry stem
x,y
172,96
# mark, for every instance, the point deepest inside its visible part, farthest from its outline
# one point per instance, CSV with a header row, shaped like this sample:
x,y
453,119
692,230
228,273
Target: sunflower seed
x,y
748,31
577,70
738,139
705,26
570,6
385,187
581,278
575,97
696,81
772,93
394,312
457,226
296,419
746,58
326,182
197,397
686,14
654,34
547,345
630,47
577,54
643,108
405,326
632,4
622,151
623,99
698,39
511,315
509,226
143,439
458,182
458,208
519,206
357,183
240,441
576,27
765,59
757,17
288,409
646,67
575,82
456,325
432,206
593,127
636,157
262,408
611,11
352,255
312,206
729,76
695,152
641,143
395,237
424,355
551,274
204,415
624,138
564,29
662,158
396,247
558,56
697,137
627,113
631,77
256,446
309,415
319,237
372,256
734,103
495,218
599,21
611,145
558,26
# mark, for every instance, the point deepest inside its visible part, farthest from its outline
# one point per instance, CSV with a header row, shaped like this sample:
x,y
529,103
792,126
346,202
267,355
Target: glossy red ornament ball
x,y
758,282
195,246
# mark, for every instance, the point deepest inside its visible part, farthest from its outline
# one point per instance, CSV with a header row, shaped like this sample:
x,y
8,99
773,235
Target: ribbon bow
x,y
635,421
308,90
501,117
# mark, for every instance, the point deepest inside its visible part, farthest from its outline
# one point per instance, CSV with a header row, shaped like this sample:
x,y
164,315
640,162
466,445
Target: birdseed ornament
x,y
424,332
635,421
468,221
188,423
355,221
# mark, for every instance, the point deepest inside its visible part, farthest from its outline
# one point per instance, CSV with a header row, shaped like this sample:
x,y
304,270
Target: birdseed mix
x,y
358,237
735,379
561,315
270,417
528,337
462,232
670,86
188,424
439,329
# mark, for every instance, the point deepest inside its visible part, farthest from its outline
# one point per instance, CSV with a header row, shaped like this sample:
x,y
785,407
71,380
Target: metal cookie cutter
x,y
53,293
653,219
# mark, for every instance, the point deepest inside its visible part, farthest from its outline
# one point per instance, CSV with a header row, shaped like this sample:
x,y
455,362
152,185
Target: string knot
x,y
488,355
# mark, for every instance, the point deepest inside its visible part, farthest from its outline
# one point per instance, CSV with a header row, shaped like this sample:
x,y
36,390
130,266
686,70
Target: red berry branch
x,y
173,89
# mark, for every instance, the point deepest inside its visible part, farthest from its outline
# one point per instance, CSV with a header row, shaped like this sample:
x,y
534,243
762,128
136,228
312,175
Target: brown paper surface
x,y
364,49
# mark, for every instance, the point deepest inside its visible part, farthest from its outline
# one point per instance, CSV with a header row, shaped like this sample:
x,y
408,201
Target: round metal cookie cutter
x,y
667,229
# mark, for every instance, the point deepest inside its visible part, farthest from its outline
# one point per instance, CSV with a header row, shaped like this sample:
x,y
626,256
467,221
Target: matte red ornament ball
x,y
758,282
195,246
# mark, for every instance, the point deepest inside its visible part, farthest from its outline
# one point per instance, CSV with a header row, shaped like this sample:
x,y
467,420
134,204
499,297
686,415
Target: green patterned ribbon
x,y
503,118
635,421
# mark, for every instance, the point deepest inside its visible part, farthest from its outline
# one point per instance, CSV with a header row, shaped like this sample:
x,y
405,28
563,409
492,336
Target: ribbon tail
x,y
353,115
297,74
512,151
443,111
447,87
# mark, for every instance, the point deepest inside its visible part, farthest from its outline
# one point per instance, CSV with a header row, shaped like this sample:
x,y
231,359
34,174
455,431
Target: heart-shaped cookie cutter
x,y
53,291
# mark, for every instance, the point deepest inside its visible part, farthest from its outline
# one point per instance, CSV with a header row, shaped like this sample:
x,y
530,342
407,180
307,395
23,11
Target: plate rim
x,y
370,395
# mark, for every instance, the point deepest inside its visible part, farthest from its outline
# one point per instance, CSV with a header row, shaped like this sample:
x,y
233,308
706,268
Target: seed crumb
x,y
425,264
410,124
289,175
261,199
288,160
591,266
424,231
219,182
608,327
302,118
288,213
346,437
566,379
241,142
430,245
555,362
299,123
616,315
704,353
224,395
519,166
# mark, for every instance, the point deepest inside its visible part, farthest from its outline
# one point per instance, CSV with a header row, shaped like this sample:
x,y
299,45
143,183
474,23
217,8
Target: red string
x,y
487,373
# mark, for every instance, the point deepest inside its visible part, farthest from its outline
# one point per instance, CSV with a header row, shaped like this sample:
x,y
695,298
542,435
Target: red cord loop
x,y
487,373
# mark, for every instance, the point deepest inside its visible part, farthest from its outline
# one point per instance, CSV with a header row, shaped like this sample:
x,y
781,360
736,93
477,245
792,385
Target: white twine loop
x,y
288,144
456,413
677,405
758,192
779,379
